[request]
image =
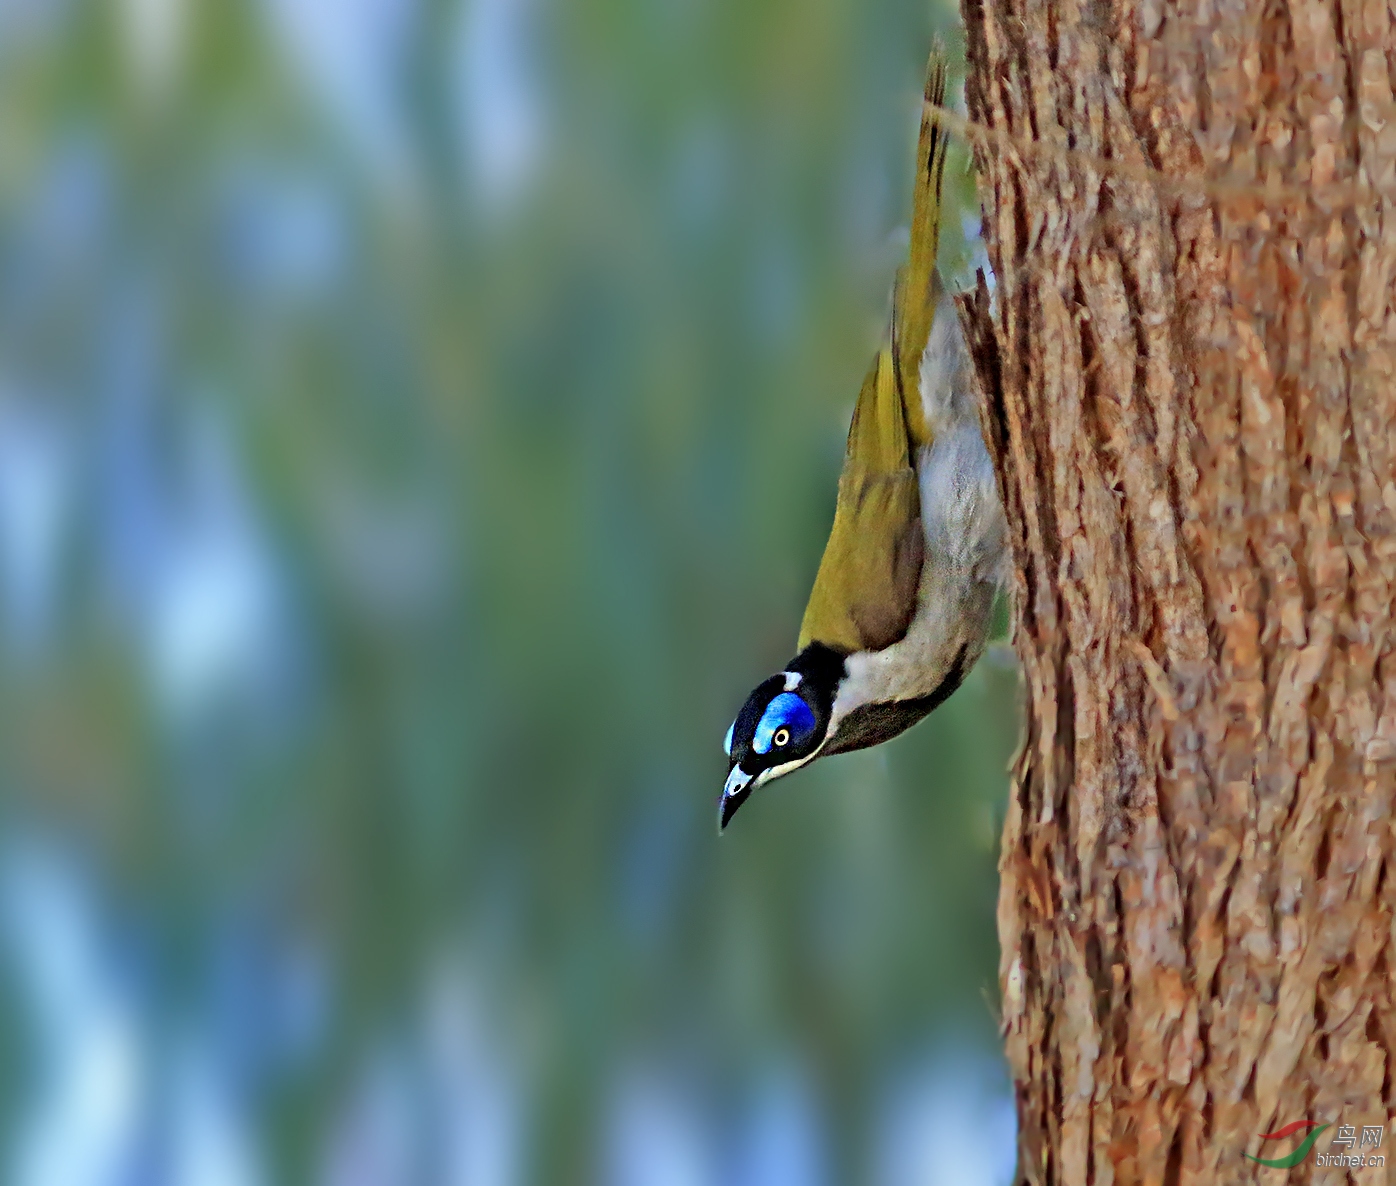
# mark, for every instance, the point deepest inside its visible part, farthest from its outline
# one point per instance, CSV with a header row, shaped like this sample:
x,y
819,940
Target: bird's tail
x,y
918,285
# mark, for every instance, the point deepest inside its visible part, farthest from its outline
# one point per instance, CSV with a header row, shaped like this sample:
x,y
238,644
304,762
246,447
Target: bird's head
x,y
782,726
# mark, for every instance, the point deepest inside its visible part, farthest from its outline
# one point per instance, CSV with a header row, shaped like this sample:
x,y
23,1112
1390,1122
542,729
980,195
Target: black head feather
x,y
782,725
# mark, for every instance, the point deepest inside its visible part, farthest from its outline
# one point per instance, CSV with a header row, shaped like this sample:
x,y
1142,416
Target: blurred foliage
x,y
521,399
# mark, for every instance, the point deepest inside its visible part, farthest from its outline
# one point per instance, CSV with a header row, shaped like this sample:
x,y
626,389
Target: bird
x,y
904,596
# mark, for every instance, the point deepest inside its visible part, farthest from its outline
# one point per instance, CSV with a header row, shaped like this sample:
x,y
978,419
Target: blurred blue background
x,y
419,424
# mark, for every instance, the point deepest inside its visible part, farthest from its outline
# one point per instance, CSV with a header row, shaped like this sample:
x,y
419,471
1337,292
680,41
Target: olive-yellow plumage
x,y
903,598
865,592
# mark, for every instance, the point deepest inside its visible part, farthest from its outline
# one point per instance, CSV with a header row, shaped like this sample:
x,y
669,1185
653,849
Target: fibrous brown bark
x,y
1189,369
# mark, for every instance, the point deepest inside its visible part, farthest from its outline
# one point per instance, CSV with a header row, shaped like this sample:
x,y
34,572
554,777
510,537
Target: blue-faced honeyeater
x,y
902,603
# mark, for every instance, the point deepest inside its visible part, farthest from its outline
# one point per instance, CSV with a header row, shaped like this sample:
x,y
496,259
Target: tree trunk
x,y
1189,370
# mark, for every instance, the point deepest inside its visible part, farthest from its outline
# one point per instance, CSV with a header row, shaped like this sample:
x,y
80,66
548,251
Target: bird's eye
x,y
787,718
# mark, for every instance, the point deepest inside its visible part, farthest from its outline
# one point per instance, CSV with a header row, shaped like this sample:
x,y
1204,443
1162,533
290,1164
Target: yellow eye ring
x,y
782,737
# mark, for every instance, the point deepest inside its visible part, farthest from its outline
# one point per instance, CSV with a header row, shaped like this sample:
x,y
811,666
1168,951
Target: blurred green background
x,y
419,425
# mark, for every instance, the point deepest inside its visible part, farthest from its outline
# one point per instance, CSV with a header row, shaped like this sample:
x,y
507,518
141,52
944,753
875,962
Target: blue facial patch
x,y
786,711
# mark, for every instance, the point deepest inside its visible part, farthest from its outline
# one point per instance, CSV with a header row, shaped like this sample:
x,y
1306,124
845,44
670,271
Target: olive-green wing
x,y
864,595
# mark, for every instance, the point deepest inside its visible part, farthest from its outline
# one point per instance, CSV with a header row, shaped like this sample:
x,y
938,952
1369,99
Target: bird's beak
x,y
734,794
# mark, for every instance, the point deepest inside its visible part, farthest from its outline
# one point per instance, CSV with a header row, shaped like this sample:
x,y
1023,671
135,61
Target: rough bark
x,y
1189,369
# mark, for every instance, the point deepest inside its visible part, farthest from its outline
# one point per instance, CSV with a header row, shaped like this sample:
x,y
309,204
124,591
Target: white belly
x,y
963,524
